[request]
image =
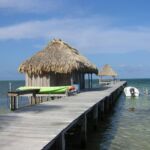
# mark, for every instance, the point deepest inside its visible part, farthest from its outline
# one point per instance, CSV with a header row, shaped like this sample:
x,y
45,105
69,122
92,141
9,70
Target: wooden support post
x,y
102,109
95,116
17,102
13,103
106,105
110,102
91,80
88,81
99,111
114,96
83,80
41,99
80,81
34,98
119,91
62,141
30,100
10,102
59,142
84,131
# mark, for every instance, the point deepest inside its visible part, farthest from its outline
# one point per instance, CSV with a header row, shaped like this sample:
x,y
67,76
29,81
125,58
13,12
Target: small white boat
x,y
131,91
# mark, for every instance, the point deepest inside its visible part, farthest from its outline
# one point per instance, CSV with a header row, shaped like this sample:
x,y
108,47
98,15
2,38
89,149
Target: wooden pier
x,y
46,125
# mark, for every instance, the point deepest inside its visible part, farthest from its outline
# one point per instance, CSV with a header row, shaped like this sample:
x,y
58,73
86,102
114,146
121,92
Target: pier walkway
x,y
36,127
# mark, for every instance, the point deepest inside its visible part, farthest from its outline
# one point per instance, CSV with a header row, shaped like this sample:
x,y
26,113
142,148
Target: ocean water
x,y
4,88
126,128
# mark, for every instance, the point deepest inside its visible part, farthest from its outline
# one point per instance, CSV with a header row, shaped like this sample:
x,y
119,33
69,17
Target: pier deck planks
x,y
33,127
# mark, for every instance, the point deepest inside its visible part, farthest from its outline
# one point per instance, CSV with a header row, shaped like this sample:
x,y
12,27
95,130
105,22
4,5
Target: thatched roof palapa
x,y
107,71
57,57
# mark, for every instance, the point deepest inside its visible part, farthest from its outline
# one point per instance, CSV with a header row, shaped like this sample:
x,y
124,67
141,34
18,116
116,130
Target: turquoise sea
x,y
4,88
126,128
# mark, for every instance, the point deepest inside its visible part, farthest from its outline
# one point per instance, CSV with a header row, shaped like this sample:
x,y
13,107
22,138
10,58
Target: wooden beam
x,y
84,131
95,116
23,92
88,80
91,81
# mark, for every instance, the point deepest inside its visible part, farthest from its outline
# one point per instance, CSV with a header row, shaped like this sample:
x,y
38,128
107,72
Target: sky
x,y
115,32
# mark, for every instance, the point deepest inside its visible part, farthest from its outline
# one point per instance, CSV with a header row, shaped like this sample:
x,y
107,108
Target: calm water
x,y
127,128
4,88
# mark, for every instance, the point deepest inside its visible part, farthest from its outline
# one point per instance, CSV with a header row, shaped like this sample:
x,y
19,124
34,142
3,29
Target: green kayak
x,y
48,90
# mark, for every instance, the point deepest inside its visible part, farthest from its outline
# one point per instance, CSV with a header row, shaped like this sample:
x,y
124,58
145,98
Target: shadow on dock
x,y
39,108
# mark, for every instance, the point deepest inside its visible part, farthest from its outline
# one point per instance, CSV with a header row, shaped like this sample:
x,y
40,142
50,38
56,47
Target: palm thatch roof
x,y
57,57
107,71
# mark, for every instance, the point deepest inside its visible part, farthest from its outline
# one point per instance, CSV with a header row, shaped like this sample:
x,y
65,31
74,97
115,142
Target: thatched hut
x,y
57,64
107,71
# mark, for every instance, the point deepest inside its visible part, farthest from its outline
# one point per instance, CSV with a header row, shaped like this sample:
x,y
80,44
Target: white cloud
x,y
30,5
93,34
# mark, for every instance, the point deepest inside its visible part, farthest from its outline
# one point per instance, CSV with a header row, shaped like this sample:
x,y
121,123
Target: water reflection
x,y
131,102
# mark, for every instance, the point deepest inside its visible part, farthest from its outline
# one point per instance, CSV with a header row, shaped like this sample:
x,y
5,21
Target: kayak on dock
x,y
131,92
49,90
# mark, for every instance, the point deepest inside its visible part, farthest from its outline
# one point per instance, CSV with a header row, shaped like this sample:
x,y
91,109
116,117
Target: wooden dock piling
x,y
102,109
95,116
84,131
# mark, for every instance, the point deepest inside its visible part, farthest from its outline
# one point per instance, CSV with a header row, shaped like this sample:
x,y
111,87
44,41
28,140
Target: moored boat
x,y
131,92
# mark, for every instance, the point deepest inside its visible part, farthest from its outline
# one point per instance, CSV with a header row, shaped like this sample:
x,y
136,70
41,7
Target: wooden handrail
x,y
23,92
